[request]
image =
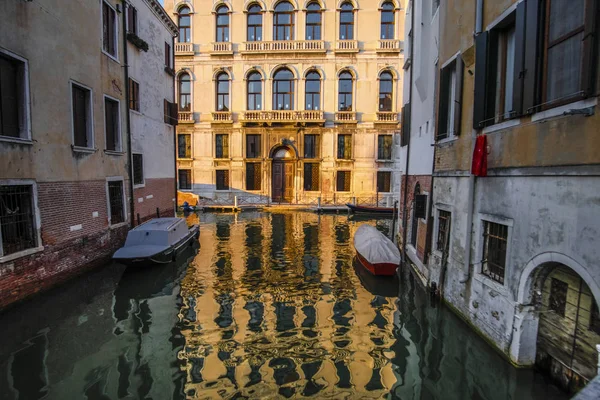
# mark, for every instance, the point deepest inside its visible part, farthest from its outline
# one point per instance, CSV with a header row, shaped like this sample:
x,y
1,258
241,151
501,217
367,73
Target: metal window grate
x,y
494,250
253,176
185,179
343,181
384,179
344,147
443,229
16,219
311,176
138,169
222,179
115,199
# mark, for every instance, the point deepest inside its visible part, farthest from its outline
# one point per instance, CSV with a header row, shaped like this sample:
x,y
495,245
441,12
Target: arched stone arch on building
x,y
353,2
284,156
314,68
321,3
250,3
219,71
183,3
254,69
278,67
284,149
294,4
349,69
396,3
220,3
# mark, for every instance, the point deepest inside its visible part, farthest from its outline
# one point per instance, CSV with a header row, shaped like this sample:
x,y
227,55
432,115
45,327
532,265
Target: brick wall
x,y
158,192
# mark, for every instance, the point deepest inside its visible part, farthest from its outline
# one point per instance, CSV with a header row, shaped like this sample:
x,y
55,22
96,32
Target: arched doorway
x,y
282,182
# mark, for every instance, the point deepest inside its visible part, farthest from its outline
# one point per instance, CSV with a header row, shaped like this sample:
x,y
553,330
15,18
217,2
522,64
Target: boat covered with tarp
x,y
375,251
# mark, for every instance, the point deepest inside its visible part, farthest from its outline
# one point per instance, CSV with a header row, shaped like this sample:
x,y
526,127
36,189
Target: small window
x,y
116,202
82,116
444,220
222,24
184,178
222,146
384,179
109,29
495,237
344,147
384,147
385,91
311,146
222,92
138,169
134,95
450,99
311,177
185,92
185,25
14,107
17,226
112,124
313,21
387,21
170,113
222,179
313,91
254,99
347,22
253,176
283,21
168,63
184,145
283,90
132,20
254,32
343,181
253,146
558,296
345,92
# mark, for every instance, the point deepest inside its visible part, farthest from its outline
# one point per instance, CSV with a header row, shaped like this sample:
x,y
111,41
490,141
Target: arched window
x,y
222,92
185,92
386,91
387,21
347,21
313,91
254,32
283,90
283,21
345,92
222,24
185,34
313,22
254,100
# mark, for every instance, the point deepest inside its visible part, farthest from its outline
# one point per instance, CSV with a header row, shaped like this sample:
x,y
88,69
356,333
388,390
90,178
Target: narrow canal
x,y
271,307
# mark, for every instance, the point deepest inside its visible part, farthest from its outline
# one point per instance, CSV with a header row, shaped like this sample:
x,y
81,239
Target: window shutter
x,y
442,117
519,72
173,114
458,94
479,106
531,75
405,124
590,48
420,206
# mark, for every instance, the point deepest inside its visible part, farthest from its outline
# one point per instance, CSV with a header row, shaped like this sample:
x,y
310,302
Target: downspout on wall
x,y
127,116
172,57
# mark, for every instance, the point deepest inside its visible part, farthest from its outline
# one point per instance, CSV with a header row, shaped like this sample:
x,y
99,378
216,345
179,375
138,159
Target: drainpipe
x,y
479,17
172,58
404,223
127,116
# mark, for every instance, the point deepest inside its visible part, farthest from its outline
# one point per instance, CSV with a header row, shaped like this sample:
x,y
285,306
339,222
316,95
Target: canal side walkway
x,y
275,207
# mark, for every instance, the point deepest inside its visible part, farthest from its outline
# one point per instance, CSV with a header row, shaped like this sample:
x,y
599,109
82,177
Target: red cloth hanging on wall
x,y
479,165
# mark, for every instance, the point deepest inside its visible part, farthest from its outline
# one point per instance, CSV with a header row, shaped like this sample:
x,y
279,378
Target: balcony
x,y
221,48
284,46
184,49
345,117
346,46
222,117
284,116
185,117
386,117
389,46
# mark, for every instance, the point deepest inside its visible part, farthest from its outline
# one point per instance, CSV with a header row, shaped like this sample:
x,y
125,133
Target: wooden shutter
x,y
443,106
479,106
458,84
405,124
420,206
173,114
519,72
531,60
167,55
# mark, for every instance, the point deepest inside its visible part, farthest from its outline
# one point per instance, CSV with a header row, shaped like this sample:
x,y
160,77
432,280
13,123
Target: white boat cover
x,y
153,237
374,246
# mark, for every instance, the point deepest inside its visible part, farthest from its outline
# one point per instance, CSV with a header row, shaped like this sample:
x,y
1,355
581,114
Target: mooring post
x,y
138,219
598,350
354,200
319,203
235,203
157,213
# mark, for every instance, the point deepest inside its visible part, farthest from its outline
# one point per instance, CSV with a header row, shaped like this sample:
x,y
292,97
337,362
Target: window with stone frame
x,y
221,146
112,124
384,179
384,147
387,21
253,148
346,21
109,29
184,21
222,177
222,33
443,234
449,109
138,169
134,95
311,177
283,21
14,107
495,237
82,116
344,150
253,176
184,179
17,219
311,146
116,203
184,145
254,24
343,181
313,21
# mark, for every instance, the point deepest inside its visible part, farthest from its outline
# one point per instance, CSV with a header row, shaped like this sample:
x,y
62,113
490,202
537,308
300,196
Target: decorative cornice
x,y
160,12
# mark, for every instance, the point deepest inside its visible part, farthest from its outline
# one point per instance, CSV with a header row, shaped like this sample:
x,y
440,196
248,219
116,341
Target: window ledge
x,y
114,58
114,152
447,140
502,125
10,139
119,225
135,111
490,283
184,190
185,159
384,161
139,186
560,111
79,149
23,253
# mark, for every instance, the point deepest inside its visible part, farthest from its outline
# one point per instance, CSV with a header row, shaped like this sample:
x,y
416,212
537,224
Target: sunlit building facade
x,y
286,101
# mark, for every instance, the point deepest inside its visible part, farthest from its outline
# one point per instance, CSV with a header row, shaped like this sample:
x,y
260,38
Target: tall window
x,y
387,21
283,21
384,147
109,29
385,91
184,179
82,116
311,176
311,146
449,111
184,145
444,224
347,22
222,179
495,237
384,179
254,32
283,90
345,92
222,146
116,202
343,181
112,124
344,147
254,91
132,20
313,91
253,176
134,95
185,92
138,169
313,21
185,26
17,227
222,103
222,24
14,107
253,146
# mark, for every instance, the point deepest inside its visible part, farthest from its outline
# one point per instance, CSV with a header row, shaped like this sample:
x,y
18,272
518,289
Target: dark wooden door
x,y
277,181
288,186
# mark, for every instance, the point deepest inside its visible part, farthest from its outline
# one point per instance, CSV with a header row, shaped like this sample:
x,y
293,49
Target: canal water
x,y
273,306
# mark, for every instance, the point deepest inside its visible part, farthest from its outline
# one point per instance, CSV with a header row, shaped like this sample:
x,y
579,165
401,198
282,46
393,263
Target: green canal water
x,y
273,306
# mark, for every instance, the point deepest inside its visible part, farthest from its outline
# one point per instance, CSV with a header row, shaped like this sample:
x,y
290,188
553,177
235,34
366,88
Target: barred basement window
x,y
495,237
444,221
17,229
253,146
184,145
558,296
384,148
253,176
134,95
384,179
185,179
311,176
343,181
344,147
222,179
115,202
222,146
311,146
138,169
